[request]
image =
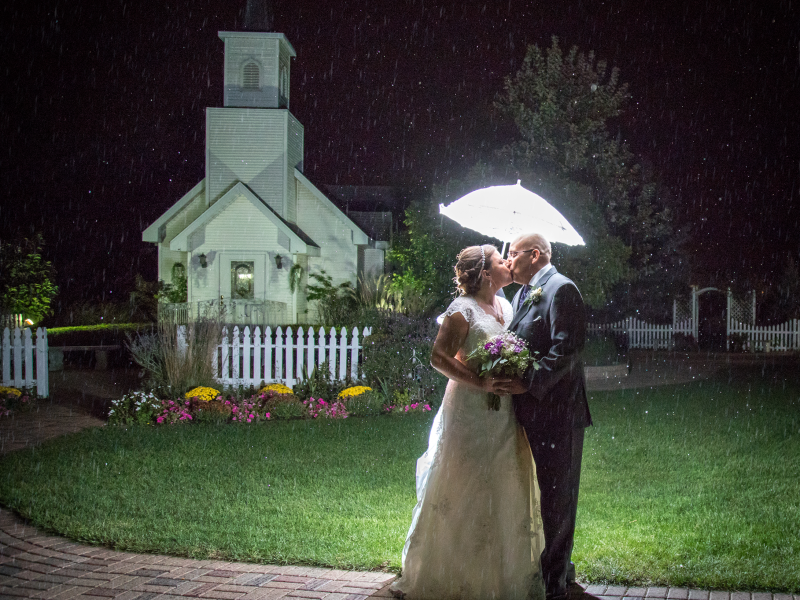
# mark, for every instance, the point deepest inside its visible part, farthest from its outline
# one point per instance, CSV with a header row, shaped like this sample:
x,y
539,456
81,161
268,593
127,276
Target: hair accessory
x,y
483,258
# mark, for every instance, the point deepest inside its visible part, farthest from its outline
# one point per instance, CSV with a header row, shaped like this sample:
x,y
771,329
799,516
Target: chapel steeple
x,y
257,61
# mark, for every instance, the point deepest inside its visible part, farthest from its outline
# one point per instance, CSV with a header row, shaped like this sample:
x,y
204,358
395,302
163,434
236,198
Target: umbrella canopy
x,y
507,211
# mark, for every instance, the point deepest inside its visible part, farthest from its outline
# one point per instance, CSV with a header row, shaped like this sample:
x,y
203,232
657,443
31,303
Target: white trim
x,y
359,237
261,35
151,233
181,241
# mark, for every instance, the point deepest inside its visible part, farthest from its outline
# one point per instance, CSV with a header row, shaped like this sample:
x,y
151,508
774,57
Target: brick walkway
x,y
35,565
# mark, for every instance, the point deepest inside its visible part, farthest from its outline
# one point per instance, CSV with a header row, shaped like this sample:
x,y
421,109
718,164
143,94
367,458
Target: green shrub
x,y
283,406
96,335
367,404
214,411
602,350
320,384
134,408
397,357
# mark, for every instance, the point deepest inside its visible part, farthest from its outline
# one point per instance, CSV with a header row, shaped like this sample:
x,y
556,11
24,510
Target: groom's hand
x,y
516,386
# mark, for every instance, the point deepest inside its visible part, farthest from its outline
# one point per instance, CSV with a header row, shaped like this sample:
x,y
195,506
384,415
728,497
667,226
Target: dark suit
x,y
554,412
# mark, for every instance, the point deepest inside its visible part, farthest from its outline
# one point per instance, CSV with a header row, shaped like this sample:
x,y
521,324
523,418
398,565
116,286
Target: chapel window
x,y
242,280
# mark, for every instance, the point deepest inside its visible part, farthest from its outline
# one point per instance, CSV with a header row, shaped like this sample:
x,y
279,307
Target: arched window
x,y
250,76
242,280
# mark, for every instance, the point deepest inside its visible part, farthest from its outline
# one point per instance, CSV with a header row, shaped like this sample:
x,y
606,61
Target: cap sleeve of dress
x,y
463,305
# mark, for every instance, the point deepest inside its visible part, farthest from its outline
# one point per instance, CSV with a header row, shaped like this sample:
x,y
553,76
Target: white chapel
x,y
255,220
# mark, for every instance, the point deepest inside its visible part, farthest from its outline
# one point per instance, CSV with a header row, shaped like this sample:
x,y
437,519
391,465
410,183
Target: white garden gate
x,y
741,319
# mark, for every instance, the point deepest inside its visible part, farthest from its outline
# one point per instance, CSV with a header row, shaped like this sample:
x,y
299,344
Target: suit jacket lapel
x,y
521,311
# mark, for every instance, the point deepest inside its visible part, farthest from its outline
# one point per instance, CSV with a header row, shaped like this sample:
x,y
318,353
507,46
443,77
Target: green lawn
x,y
695,485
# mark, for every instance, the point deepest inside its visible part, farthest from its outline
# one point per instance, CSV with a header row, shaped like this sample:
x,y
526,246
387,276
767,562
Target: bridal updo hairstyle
x,y
470,266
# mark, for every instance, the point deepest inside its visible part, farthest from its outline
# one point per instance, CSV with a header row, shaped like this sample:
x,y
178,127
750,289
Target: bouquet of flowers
x,y
503,355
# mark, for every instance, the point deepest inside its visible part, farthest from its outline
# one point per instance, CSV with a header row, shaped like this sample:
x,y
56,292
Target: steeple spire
x,y
258,16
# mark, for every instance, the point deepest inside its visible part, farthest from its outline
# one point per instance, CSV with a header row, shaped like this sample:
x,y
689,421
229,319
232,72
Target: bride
x,y
476,531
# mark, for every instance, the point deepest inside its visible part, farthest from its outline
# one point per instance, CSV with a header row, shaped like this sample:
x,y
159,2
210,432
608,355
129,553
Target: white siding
x,y
247,145
240,232
295,161
338,255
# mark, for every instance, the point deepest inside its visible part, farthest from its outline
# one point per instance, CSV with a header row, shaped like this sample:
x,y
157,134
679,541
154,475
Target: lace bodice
x,y
482,326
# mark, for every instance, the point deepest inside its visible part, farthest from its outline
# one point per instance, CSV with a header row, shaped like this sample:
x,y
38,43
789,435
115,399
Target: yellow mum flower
x,y
10,391
206,394
354,391
278,388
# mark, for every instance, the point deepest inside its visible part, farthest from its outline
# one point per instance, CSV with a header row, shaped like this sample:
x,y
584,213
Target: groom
x,y
550,403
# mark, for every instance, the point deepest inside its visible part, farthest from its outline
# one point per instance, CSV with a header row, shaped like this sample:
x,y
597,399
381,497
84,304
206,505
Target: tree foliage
x,y
26,279
565,107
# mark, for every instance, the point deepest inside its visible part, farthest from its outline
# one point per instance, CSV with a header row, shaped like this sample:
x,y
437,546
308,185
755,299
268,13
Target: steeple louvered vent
x,y
250,77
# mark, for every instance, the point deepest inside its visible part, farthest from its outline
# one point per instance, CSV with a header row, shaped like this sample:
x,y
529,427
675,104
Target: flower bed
x,y
272,402
13,401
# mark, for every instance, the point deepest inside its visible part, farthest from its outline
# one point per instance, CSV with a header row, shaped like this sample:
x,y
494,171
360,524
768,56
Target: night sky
x,y
102,111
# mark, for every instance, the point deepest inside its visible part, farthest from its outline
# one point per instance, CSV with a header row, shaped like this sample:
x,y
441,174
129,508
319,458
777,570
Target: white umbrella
x,y
506,211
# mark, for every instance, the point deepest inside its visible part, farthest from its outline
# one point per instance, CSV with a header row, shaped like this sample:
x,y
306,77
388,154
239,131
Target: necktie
x,y
523,294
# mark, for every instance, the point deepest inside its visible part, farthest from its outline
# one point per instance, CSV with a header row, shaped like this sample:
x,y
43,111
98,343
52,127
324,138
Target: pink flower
x,y
427,407
267,415
406,409
160,420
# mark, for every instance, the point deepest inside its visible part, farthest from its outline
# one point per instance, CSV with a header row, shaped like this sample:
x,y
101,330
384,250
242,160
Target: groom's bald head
x,y
531,252
534,240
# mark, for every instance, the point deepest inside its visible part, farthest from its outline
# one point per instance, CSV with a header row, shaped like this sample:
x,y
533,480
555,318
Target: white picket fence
x,y
12,321
760,338
248,357
24,360
766,338
642,334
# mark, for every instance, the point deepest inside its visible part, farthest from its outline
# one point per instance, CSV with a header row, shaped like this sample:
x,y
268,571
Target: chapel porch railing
x,y
239,312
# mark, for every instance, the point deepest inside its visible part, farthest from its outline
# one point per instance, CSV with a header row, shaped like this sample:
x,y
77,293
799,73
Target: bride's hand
x,y
496,385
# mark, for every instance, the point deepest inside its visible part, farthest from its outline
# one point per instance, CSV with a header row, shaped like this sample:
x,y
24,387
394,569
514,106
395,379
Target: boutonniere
x,y
534,297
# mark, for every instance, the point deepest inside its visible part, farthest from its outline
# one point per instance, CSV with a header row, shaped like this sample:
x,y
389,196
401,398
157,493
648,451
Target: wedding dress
x,y
476,531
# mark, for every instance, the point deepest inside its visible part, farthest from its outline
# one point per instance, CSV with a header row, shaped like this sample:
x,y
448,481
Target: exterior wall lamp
x,y
203,260
279,261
